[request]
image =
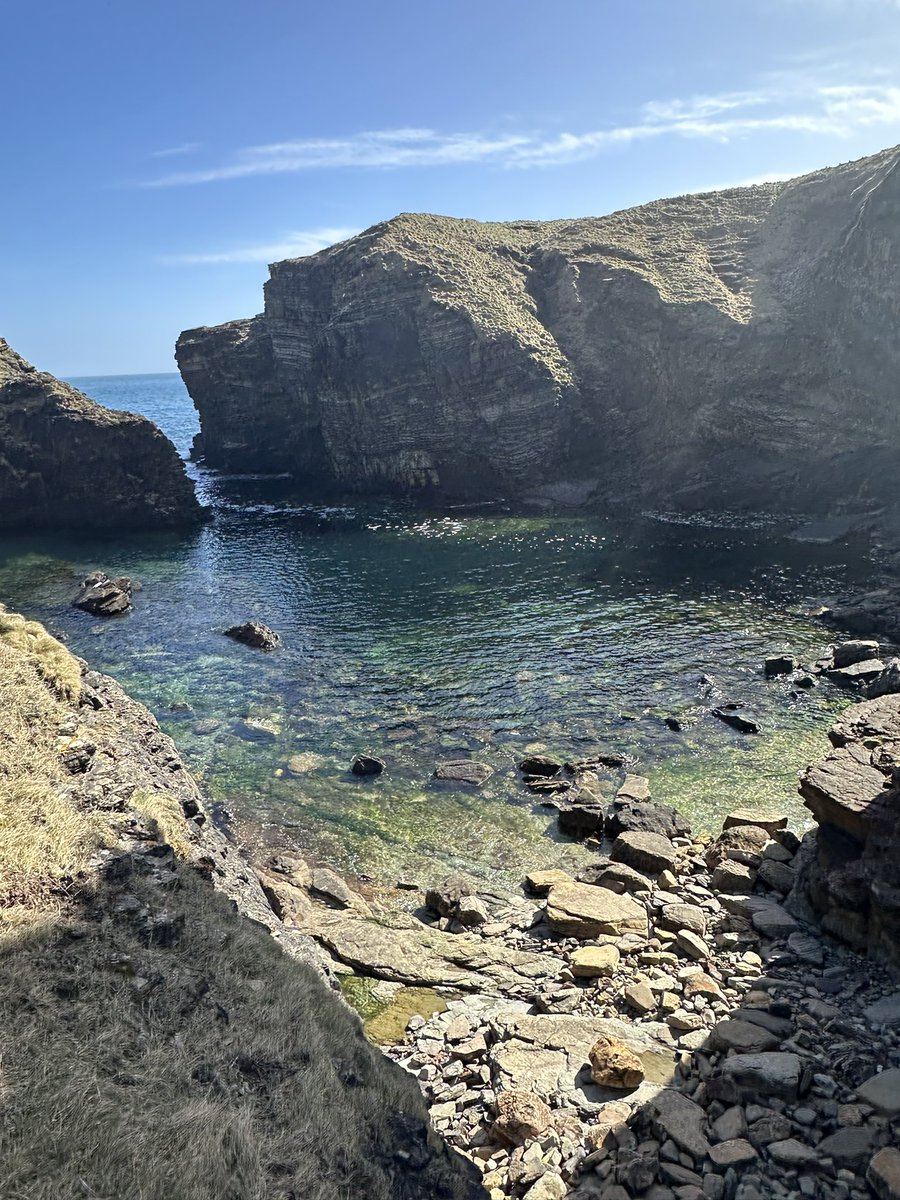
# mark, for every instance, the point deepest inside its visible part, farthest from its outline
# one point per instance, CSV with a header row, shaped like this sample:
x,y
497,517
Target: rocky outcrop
x,y
66,462
737,347
154,1011
853,880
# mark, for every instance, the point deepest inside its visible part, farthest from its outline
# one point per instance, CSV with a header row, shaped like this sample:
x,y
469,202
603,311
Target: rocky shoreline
x,y
675,1023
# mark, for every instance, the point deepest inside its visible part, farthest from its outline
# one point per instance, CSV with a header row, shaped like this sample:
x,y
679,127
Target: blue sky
x,y
156,155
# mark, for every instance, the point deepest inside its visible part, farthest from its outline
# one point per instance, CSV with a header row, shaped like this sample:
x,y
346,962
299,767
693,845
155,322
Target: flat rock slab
x,y
885,1011
463,770
550,1054
883,1174
585,911
650,853
418,955
770,822
678,1117
882,1091
744,1037
772,1074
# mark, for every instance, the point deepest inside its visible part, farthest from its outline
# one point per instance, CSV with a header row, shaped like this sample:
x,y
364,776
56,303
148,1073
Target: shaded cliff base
x,y
155,1043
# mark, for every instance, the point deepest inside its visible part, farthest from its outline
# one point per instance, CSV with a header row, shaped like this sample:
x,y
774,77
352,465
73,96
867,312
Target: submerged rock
x,y
367,764
104,597
255,634
463,770
730,714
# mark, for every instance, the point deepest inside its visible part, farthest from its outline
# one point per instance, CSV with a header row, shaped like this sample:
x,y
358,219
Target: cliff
x,y
155,1040
738,347
853,879
65,461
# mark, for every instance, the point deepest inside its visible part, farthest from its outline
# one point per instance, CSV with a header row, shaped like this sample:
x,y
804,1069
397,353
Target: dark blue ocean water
x,y
420,635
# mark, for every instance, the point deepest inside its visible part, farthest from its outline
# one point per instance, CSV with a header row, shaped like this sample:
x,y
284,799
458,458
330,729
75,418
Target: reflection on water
x,y
421,636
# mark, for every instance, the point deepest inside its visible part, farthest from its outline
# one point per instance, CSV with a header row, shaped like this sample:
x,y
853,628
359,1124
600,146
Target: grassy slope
x,y
154,1045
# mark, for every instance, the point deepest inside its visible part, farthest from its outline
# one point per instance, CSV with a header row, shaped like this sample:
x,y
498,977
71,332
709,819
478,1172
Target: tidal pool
x,y
419,636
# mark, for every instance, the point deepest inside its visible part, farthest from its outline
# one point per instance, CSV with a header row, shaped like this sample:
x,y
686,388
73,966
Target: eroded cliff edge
x,y
738,347
155,1040
68,462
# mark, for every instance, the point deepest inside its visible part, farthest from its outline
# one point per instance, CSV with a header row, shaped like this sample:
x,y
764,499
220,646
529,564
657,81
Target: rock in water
x,y
69,463
255,634
367,764
463,770
104,597
468,358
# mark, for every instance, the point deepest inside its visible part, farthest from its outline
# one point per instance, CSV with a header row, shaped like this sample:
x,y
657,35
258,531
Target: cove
x,y
424,635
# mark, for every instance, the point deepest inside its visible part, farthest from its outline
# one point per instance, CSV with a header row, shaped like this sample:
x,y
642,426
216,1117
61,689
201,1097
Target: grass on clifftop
x,y
50,658
44,838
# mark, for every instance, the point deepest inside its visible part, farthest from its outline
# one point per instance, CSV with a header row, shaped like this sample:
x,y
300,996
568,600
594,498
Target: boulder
x,y
883,1174
255,634
650,853
744,1037
580,820
583,911
771,1074
847,654
366,764
859,673
882,1092
739,843
591,962
682,916
677,1117
730,714
521,1117
779,664
540,764
463,770
539,883
615,1065
770,822
644,816
617,877
733,878
634,789
104,597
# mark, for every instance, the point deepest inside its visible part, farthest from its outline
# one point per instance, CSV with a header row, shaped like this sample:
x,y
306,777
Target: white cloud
x,y
293,245
782,105
173,151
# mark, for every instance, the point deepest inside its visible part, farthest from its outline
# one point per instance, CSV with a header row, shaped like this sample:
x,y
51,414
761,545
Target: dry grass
x,y
203,1065
50,657
165,811
44,838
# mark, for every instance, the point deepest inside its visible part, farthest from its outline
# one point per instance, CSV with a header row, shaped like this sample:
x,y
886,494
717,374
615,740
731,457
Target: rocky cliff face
x,y
738,347
65,461
854,794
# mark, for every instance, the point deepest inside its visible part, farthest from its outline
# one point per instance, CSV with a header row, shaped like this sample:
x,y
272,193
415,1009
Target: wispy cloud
x,y
292,245
174,151
826,109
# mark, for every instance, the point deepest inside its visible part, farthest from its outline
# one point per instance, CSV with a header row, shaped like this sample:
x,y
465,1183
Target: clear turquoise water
x,y
421,635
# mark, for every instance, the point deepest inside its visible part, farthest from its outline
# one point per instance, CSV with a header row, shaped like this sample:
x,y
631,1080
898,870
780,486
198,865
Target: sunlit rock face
x,y
66,462
737,347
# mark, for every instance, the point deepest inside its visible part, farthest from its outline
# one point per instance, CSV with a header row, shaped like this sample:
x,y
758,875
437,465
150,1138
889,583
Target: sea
x,y
424,634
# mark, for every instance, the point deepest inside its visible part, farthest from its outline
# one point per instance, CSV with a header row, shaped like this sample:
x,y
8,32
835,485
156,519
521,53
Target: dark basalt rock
x,y
367,764
68,463
730,714
255,634
567,360
540,764
645,817
104,597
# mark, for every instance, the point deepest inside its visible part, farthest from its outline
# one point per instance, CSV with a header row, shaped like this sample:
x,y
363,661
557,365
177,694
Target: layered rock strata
x,y
733,348
853,878
68,463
